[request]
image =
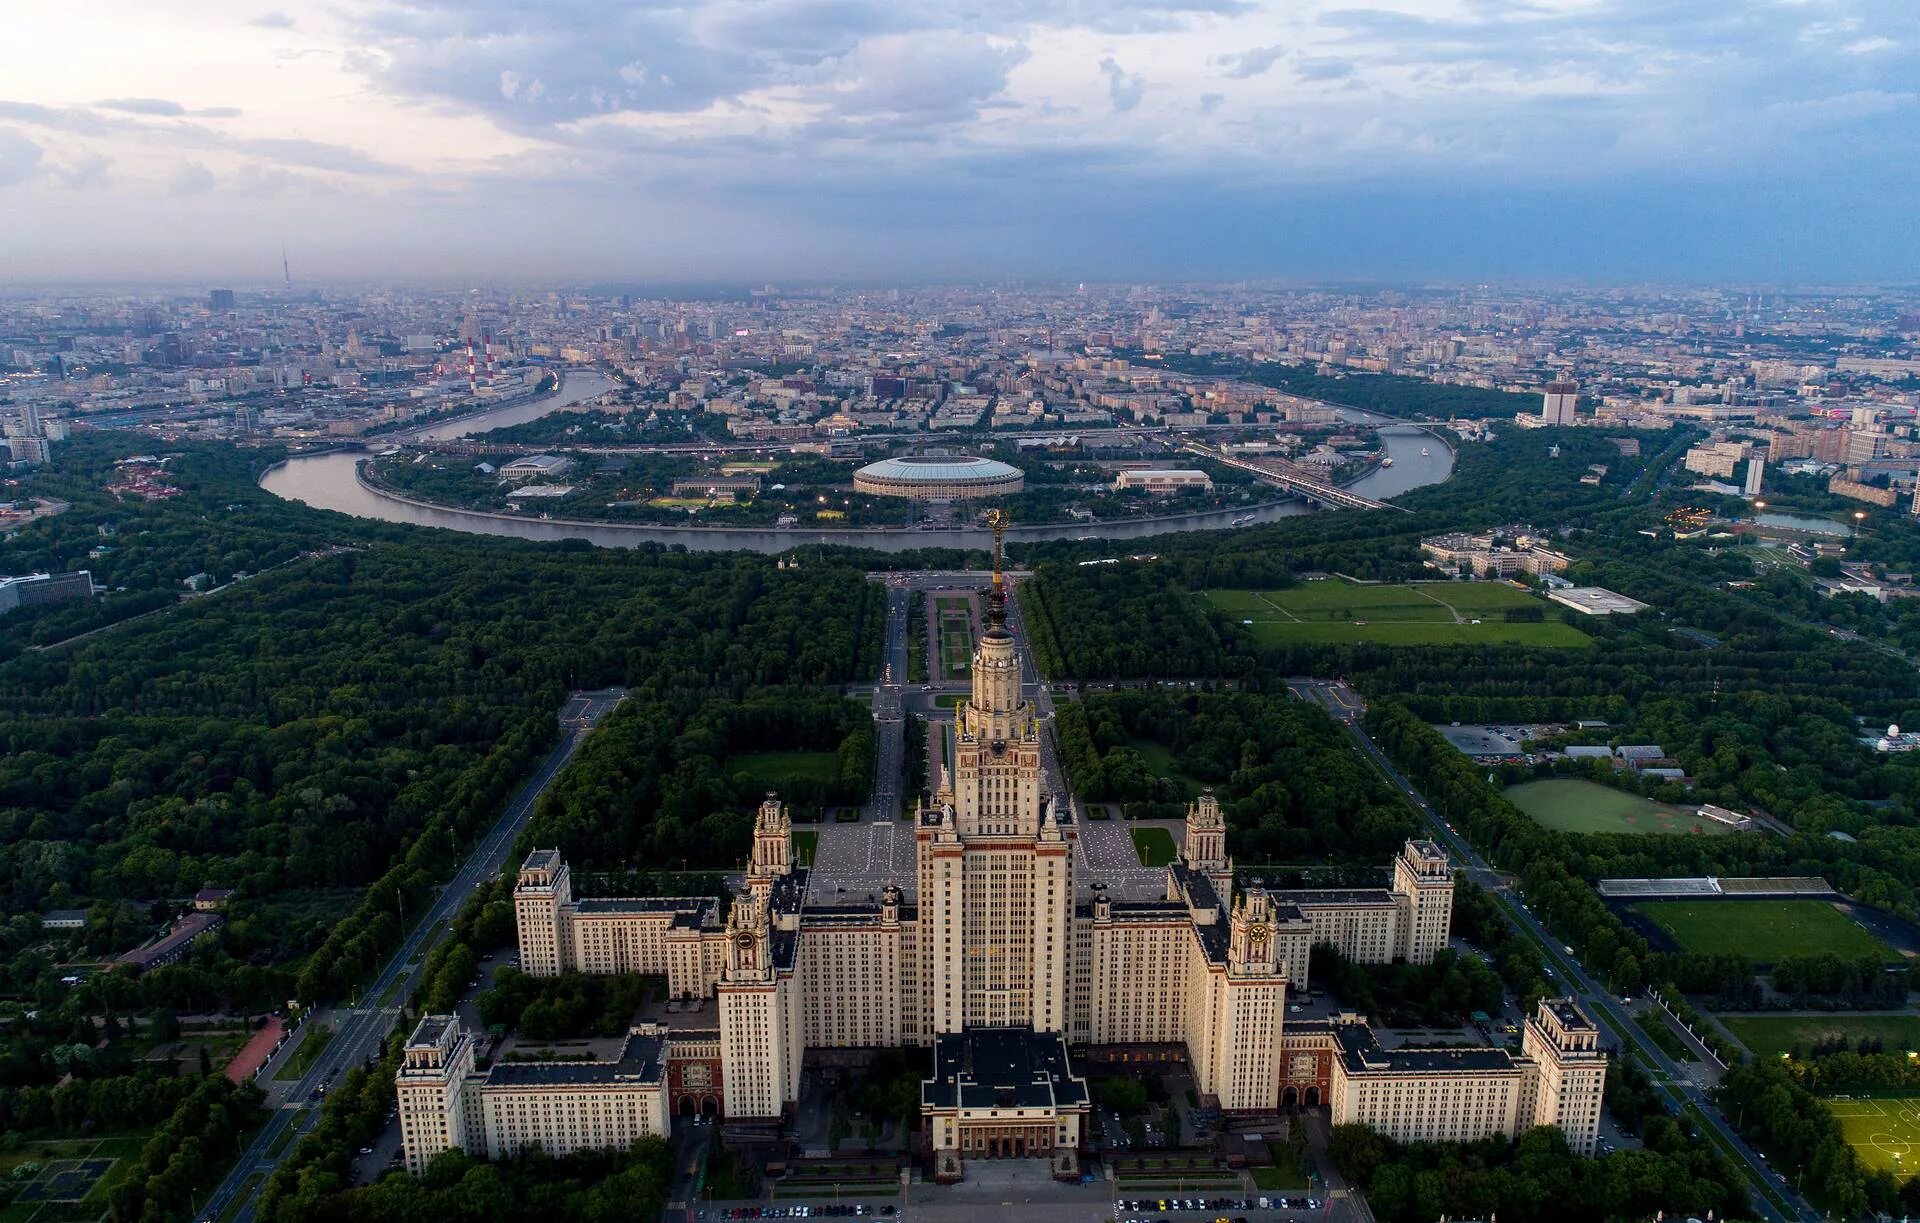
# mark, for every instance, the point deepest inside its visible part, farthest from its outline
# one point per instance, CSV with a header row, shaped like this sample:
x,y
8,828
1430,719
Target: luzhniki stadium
x,y
956,477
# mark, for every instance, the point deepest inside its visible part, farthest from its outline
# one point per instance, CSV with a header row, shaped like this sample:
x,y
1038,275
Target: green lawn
x,y
776,768
1416,613
1884,1133
1285,1173
1567,804
1762,930
1154,845
806,842
1548,633
304,1055
1773,1035
954,618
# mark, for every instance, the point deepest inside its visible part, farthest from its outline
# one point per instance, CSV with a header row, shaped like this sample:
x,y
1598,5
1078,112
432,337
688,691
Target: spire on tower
x,y
998,519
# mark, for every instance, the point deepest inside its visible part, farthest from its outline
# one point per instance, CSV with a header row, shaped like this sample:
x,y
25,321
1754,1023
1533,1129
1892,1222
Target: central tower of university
x,y
995,867
990,954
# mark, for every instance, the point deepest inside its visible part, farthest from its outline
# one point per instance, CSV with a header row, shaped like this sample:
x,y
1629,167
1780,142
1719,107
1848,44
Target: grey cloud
x,y
313,154
937,77
58,118
191,178
1324,69
19,157
587,59
1251,63
1210,102
142,106
273,21
1124,90
82,171
165,109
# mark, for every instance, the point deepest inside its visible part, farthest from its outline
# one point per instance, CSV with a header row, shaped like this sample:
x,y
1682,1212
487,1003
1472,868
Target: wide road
x,y
889,722
1346,707
360,1029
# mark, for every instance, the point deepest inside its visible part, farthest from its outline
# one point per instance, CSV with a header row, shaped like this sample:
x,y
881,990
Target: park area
x,y
1884,1133
1334,610
1782,1035
1567,804
62,1179
1765,931
955,624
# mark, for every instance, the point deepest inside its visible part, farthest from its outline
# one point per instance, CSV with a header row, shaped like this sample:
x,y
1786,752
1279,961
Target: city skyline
x,y
1203,139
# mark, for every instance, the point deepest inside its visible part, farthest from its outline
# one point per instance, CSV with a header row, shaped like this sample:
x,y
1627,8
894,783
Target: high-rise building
x,y
1560,403
1756,472
995,954
220,299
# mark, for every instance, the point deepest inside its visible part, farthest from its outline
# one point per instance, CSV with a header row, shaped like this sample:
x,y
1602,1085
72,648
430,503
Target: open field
x,y
1567,804
1154,845
1774,1035
1884,1133
806,843
777,768
1414,613
1762,930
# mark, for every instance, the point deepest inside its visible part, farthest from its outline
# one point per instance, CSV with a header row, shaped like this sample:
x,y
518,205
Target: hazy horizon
x,y
853,141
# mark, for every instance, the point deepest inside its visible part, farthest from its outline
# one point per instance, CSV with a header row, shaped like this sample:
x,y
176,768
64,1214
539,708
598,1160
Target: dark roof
x,y
175,944
639,1062
1002,1068
1569,1015
642,904
1335,896
1361,1053
789,892
430,1029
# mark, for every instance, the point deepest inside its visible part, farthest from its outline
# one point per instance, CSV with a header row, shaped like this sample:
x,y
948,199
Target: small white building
x,y
1163,480
534,466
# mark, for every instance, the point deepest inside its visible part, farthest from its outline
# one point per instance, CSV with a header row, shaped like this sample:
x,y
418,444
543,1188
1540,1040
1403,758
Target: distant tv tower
x,y
286,274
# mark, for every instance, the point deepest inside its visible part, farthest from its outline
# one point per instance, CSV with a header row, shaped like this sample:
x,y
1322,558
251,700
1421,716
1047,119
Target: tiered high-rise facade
x,y
996,957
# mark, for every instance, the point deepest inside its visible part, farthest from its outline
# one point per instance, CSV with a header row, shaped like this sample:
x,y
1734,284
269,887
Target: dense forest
x,y
654,784
324,737
1289,781
1537,1180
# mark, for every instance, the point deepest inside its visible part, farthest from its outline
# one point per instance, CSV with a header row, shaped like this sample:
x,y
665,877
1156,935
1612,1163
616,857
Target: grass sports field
x,y
1773,1035
1154,845
1884,1133
1414,613
1762,930
1567,804
776,768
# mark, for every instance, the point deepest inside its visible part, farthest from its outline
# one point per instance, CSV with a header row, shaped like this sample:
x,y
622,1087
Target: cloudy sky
x,y
899,140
